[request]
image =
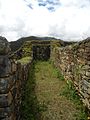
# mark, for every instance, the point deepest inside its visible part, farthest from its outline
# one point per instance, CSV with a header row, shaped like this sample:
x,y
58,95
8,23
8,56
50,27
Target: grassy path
x,y
48,97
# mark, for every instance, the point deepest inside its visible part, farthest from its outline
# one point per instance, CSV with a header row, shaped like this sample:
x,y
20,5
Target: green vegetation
x,y
71,94
27,48
56,71
29,100
48,97
24,60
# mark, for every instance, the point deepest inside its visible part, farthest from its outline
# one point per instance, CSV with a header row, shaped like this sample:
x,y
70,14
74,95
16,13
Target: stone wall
x,y
39,50
13,75
72,60
74,63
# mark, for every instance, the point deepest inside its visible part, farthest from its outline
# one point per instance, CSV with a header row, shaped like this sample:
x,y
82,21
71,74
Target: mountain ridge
x,y
14,45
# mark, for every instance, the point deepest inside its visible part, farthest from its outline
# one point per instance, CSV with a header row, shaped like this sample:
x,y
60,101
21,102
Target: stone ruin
x,y
72,60
41,50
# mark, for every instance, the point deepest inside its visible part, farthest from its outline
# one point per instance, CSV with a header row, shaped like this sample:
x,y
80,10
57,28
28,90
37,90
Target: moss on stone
x,y
24,60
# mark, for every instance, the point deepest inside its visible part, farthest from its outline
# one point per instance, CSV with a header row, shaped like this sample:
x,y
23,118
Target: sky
x,y
65,19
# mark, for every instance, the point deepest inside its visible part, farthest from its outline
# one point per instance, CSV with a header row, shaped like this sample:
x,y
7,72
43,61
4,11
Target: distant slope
x,y
15,45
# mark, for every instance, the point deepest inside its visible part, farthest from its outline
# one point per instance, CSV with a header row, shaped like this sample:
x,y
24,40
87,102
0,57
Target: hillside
x,y
16,44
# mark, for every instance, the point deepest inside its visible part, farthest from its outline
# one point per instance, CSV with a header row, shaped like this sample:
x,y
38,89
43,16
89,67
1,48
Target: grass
x,y
24,60
48,97
56,71
71,94
29,107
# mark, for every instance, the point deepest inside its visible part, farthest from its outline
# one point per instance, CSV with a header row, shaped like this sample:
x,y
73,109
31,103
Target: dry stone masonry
x,y
41,50
12,79
74,63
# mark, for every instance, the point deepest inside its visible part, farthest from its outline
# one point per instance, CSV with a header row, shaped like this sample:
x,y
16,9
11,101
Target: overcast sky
x,y
64,19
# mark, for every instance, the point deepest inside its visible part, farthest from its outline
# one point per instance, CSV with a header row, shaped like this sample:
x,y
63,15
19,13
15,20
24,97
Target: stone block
x,y
5,99
84,77
86,102
12,117
5,66
13,67
6,83
86,95
86,67
14,91
4,46
88,91
86,83
88,63
88,73
6,112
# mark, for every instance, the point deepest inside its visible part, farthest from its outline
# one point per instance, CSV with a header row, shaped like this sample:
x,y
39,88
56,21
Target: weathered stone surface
x,y
5,99
4,46
13,86
13,66
13,76
5,66
3,85
88,91
6,112
12,117
74,63
41,52
6,83
88,73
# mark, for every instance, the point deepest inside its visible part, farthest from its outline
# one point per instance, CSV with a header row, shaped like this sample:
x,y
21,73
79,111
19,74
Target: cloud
x,y
51,5
67,20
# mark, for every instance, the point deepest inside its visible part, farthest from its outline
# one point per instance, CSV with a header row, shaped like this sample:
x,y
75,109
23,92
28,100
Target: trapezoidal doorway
x,y
41,51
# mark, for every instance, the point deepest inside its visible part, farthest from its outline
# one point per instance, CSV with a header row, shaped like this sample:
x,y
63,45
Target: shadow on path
x,y
30,109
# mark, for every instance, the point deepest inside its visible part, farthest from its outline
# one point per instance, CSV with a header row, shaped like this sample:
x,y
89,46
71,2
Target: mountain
x,y
15,45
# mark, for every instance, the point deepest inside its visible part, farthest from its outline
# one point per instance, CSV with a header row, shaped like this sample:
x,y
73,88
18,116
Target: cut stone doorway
x,y
41,52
